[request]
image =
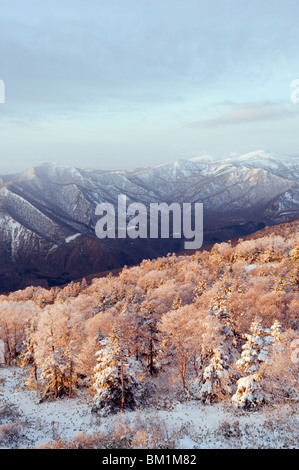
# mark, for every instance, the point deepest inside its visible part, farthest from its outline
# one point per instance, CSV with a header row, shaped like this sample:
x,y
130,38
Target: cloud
x,y
246,113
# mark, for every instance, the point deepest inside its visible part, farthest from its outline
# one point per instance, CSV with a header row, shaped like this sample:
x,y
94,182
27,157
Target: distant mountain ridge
x,y
47,213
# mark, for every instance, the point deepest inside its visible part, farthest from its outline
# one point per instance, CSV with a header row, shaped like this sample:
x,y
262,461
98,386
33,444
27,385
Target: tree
x,y
257,350
14,318
28,356
117,377
59,336
217,355
249,393
149,336
280,374
179,328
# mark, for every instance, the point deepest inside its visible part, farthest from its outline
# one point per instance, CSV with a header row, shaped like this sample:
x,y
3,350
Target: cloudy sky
x,y
126,83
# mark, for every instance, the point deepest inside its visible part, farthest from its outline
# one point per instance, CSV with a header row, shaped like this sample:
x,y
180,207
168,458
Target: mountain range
x,y
47,213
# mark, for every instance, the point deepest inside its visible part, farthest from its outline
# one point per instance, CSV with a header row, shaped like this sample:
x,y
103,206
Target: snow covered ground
x,y
26,423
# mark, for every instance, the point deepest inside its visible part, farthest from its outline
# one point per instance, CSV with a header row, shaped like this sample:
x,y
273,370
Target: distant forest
x,y
219,324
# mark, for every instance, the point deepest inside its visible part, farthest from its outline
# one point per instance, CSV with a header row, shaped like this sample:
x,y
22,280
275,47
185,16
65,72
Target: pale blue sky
x,y
126,83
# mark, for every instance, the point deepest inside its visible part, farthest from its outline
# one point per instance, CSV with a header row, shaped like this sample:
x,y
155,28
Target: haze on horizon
x,y
115,84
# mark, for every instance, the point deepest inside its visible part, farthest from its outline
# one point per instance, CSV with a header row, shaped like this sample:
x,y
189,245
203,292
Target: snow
x,y
202,159
193,424
250,267
72,237
43,421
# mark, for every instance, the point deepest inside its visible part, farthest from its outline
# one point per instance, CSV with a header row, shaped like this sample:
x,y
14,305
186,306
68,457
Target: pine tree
x,y
117,377
216,381
256,348
276,330
249,394
256,351
215,378
218,305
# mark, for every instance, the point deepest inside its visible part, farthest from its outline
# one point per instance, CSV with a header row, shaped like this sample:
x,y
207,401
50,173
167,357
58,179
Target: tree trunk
x,y
183,372
122,405
71,381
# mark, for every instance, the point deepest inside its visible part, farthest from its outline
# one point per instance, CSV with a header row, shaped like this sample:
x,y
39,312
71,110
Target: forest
x,y
216,326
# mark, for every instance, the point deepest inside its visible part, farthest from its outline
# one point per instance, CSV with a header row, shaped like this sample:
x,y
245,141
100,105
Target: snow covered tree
x,y
215,378
249,394
149,336
256,348
179,329
256,351
117,377
218,350
59,334
217,355
276,330
27,356
218,305
281,373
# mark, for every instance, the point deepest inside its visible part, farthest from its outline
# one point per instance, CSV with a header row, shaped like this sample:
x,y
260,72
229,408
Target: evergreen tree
x,y
118,378
216,381
256,348
256,351
249,393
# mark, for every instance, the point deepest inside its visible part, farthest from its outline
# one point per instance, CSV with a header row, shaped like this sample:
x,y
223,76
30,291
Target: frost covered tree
x,y
249,394
276,330
180,342
59,336
280,374
148,338
14,318
28,356
218,349
215,378
256,351
117,377
256,348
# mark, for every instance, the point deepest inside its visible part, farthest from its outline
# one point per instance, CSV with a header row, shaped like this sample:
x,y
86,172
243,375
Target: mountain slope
x,y
47,213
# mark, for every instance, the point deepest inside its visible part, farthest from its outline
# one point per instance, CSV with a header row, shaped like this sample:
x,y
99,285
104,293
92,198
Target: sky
x,y
112,84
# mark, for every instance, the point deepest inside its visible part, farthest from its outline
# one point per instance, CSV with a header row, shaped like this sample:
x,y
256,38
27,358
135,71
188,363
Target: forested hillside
x,y
217,326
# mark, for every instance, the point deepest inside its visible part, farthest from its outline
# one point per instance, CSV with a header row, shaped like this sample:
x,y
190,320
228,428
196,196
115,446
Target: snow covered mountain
x,y
47,213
